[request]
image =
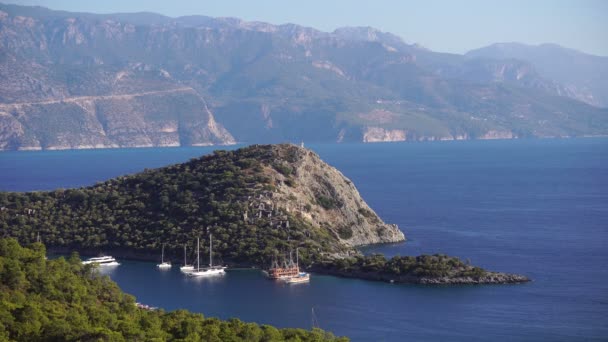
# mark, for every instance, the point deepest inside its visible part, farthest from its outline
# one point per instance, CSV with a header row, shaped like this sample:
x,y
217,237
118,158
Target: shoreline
x,y
136,256
241,143
491,278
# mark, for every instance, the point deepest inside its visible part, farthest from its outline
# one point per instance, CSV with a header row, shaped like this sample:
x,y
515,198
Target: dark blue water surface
x,y
535,207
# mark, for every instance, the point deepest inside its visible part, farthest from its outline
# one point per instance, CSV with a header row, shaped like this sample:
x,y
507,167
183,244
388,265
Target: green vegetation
x,y
423,266
63,300
366,212
171,205
345,232
283,169
326,202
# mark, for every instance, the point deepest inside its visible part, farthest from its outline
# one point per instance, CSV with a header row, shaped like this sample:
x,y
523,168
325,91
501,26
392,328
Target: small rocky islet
x,y
260,202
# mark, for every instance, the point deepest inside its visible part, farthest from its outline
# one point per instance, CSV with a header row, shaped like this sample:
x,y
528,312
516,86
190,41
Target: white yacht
x,y
206,271
186,268
301,277
102,261
163,264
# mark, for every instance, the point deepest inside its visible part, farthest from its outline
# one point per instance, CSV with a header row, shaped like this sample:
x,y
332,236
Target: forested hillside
x,y
258,202
62,300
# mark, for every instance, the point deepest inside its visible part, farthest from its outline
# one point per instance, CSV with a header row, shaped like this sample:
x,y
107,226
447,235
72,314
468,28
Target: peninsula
x,y
259,202
435,269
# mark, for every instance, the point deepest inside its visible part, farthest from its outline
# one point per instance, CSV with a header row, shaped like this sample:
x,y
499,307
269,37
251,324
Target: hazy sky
x,y
448,25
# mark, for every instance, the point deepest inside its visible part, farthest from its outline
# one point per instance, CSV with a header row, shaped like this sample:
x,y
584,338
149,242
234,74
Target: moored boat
x,y
302,277
102,261
206,271
163,264
186,268
286,270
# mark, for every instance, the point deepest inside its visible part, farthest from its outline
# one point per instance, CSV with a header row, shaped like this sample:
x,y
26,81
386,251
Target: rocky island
x,y
259,202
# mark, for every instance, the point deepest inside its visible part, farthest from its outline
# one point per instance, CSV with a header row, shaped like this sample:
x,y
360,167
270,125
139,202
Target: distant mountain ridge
x,y
221,80
584,76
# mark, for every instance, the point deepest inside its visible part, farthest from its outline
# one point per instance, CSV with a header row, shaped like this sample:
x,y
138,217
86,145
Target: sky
x,y
454,26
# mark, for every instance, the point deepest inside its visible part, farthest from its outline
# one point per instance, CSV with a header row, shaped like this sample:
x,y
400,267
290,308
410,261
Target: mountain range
x,y
81,80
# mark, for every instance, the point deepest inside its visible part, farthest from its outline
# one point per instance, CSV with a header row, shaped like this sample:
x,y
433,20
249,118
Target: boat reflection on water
x,y
107,270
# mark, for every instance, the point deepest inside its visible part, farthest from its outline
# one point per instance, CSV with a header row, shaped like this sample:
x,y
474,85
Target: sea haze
x,y
534,207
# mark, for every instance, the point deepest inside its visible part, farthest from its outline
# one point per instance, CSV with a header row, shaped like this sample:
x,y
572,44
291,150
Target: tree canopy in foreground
x,y
64,300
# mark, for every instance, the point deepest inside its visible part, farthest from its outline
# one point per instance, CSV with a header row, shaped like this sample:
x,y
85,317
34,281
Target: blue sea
x,y
534,207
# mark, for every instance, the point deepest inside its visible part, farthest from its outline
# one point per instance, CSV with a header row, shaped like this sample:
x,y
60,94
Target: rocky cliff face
x,y
323,196
377,134
172,117
582,76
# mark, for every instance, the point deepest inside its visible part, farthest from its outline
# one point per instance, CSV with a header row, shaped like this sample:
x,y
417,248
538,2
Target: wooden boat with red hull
x,y
285,270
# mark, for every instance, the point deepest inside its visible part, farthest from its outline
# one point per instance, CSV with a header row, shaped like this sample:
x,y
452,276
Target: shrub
x,y
283,169
326,202
345,233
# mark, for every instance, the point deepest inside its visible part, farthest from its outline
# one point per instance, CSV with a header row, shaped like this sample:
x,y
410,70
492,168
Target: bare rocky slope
x,y
172,117
79,80
582,76
323,196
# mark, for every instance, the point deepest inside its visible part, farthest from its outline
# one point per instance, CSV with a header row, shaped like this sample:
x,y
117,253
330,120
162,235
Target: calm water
x,y
537,207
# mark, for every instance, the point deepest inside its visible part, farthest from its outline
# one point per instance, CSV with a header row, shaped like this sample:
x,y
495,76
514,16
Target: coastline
x,y
551,277
490,278
242,143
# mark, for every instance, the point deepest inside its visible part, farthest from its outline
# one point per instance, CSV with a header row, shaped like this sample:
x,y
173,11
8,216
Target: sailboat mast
x,y
210,250
297,260
162,255
185,255
198,256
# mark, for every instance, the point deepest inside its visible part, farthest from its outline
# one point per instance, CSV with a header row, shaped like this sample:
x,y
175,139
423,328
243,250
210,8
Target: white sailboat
x,y
206,271
186,268
163,264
